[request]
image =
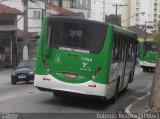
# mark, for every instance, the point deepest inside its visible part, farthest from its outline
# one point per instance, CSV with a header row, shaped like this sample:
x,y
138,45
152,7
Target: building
x,y
136,12
128,12
113,19
132,14
36,11
55,10
8,28
156,12
147,7
91,9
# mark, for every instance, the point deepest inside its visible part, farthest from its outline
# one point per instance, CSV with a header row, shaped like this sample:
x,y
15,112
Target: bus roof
x,y
65,18
124,31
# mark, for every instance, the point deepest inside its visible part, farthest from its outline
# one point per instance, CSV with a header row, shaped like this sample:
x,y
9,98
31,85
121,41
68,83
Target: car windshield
x,y
27,63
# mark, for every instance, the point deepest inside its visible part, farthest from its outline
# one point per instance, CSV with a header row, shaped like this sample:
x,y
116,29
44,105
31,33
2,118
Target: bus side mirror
x,y
46,52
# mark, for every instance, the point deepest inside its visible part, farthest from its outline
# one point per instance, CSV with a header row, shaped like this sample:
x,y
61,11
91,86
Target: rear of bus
x,y
148,55
74,56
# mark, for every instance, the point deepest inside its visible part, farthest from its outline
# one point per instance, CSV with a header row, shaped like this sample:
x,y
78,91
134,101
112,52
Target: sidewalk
x,y
139,109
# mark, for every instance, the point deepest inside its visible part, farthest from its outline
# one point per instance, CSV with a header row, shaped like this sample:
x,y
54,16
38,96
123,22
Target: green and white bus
x,y
148,55
85,57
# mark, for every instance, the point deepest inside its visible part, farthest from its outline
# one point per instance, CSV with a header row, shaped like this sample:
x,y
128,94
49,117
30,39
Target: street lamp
x,y
133,16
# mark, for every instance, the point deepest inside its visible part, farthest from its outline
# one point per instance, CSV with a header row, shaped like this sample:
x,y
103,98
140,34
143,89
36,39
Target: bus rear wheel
x,y
115,97
146,69
130,79
56,94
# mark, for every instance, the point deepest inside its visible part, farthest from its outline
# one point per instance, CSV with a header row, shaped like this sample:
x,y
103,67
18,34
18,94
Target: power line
x,y
117,5
39,5
107,3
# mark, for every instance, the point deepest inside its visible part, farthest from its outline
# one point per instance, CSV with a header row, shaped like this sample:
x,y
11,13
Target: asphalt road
x,y
24,98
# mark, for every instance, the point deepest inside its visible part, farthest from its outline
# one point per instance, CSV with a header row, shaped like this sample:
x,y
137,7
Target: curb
x,y
127,110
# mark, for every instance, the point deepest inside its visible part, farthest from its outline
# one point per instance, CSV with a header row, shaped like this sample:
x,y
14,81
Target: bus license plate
x,y
68,75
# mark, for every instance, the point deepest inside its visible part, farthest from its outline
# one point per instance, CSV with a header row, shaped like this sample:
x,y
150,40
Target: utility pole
x,y
117,5
60,3
145,25
25,28
145,38
104,11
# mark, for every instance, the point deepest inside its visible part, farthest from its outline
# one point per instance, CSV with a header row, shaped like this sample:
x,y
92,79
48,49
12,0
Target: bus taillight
x,y
97,71
45,64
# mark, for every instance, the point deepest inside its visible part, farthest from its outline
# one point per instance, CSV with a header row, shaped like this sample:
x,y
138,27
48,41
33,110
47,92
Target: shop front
x,y
7,49
8,28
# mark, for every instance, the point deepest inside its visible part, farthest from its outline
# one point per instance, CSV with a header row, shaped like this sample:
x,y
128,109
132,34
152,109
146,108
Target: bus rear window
x,y
151,46
76,35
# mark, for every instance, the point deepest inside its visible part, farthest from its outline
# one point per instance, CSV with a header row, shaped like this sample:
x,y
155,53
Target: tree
x,y
156,37
154,102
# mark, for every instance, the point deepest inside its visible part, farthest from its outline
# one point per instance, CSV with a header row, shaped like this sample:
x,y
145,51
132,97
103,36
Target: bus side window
x,y
130,49
115,57
133,48
115,48
119,47
137,49
123,48
126,48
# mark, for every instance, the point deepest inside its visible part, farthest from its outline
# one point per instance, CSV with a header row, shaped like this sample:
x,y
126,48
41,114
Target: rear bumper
x,y
66,93
147,64
88,88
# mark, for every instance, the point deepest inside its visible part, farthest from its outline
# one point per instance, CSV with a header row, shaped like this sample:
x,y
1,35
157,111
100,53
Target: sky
x,y
110,9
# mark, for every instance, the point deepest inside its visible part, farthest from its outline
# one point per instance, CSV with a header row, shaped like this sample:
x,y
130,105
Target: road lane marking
x,y
9,97
127,110
4,98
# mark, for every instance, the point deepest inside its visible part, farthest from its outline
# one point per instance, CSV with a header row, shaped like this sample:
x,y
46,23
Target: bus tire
x,y
57,94
146,69
129,80
104,99
115,97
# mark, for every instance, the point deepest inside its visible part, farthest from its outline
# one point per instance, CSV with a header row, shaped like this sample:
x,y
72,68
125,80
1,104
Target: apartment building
x,y
156,12
128,13
137,12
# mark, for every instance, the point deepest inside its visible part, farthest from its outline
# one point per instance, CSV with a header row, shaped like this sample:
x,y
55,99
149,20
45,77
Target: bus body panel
x,y
122,69
87,88
79,71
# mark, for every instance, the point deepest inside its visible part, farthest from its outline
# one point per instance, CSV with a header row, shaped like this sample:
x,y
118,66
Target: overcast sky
x,y
110,9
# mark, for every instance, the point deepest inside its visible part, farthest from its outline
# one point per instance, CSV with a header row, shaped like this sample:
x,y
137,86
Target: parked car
x,y
23,72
